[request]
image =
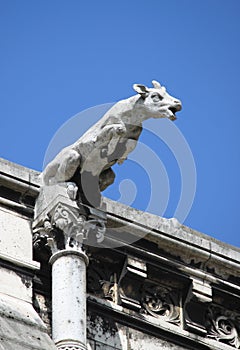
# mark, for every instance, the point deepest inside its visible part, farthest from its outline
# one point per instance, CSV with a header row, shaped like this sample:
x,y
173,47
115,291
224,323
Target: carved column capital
x,y
63,224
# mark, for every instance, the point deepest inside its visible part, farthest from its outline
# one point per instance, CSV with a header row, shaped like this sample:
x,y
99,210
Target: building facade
x,y
152,283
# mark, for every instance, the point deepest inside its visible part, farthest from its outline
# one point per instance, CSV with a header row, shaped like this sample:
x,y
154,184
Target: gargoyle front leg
x,y
109,138
111,130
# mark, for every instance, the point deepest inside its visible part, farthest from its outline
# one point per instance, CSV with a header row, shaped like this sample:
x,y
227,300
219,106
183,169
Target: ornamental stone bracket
x,y
131,282
197,302
65,225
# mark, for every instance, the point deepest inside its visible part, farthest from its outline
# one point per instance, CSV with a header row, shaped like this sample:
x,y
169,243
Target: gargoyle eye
x,y
156,97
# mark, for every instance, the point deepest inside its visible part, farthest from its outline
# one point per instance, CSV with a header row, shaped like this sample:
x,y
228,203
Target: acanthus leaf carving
x,y
66,228
223,326
71,224
162,303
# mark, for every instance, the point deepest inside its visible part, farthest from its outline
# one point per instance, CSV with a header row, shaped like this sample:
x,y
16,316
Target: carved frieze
x,y
133,290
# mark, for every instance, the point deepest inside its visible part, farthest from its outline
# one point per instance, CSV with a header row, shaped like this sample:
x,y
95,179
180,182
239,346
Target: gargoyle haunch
x,y
88,161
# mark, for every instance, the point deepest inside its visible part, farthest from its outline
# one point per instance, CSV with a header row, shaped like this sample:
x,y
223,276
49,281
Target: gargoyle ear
x,y
141,89
156,84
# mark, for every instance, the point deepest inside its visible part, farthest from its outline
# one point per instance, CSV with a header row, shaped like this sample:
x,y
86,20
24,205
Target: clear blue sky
x,y
60,57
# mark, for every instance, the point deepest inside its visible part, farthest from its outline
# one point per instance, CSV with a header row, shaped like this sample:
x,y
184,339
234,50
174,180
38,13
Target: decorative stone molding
x,y
75,228
62,223
223,326
161,303
71,346
201,289
133,290
63,347
110,289
131,282
196,304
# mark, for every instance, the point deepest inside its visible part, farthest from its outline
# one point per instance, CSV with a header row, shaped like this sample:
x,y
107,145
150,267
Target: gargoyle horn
x,y
156,84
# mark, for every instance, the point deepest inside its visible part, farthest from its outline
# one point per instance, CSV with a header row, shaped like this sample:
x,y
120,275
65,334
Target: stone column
x,y
69,299
65,226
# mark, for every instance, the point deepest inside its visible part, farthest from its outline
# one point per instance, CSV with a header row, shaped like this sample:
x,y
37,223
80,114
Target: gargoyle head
x,y
156,102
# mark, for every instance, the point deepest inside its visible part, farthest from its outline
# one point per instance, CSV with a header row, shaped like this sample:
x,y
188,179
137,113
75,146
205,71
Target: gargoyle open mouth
x,y
173,110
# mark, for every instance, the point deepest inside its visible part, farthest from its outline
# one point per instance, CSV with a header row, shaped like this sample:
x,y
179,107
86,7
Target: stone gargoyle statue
x,y
87,162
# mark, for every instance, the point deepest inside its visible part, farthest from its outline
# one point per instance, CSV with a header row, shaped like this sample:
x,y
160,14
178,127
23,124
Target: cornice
x,y
171,237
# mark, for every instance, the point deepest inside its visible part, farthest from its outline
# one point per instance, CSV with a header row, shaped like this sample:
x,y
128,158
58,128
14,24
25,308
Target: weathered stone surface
x,y
20,326
169,271
64,227
69,300
16,233
10,170
118,329
176,239
22,284
197,302
106,334
43,306
88,161
62,222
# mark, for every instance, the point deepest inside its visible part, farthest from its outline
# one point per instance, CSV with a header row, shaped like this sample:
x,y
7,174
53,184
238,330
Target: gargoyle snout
x,y
177,105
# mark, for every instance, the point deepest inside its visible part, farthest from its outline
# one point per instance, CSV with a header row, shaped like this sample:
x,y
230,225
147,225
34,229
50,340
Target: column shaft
x,y
69,299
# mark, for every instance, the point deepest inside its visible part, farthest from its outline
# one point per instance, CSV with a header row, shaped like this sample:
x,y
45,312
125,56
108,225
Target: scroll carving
x,y
161,303
223,326
65,228
61,223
